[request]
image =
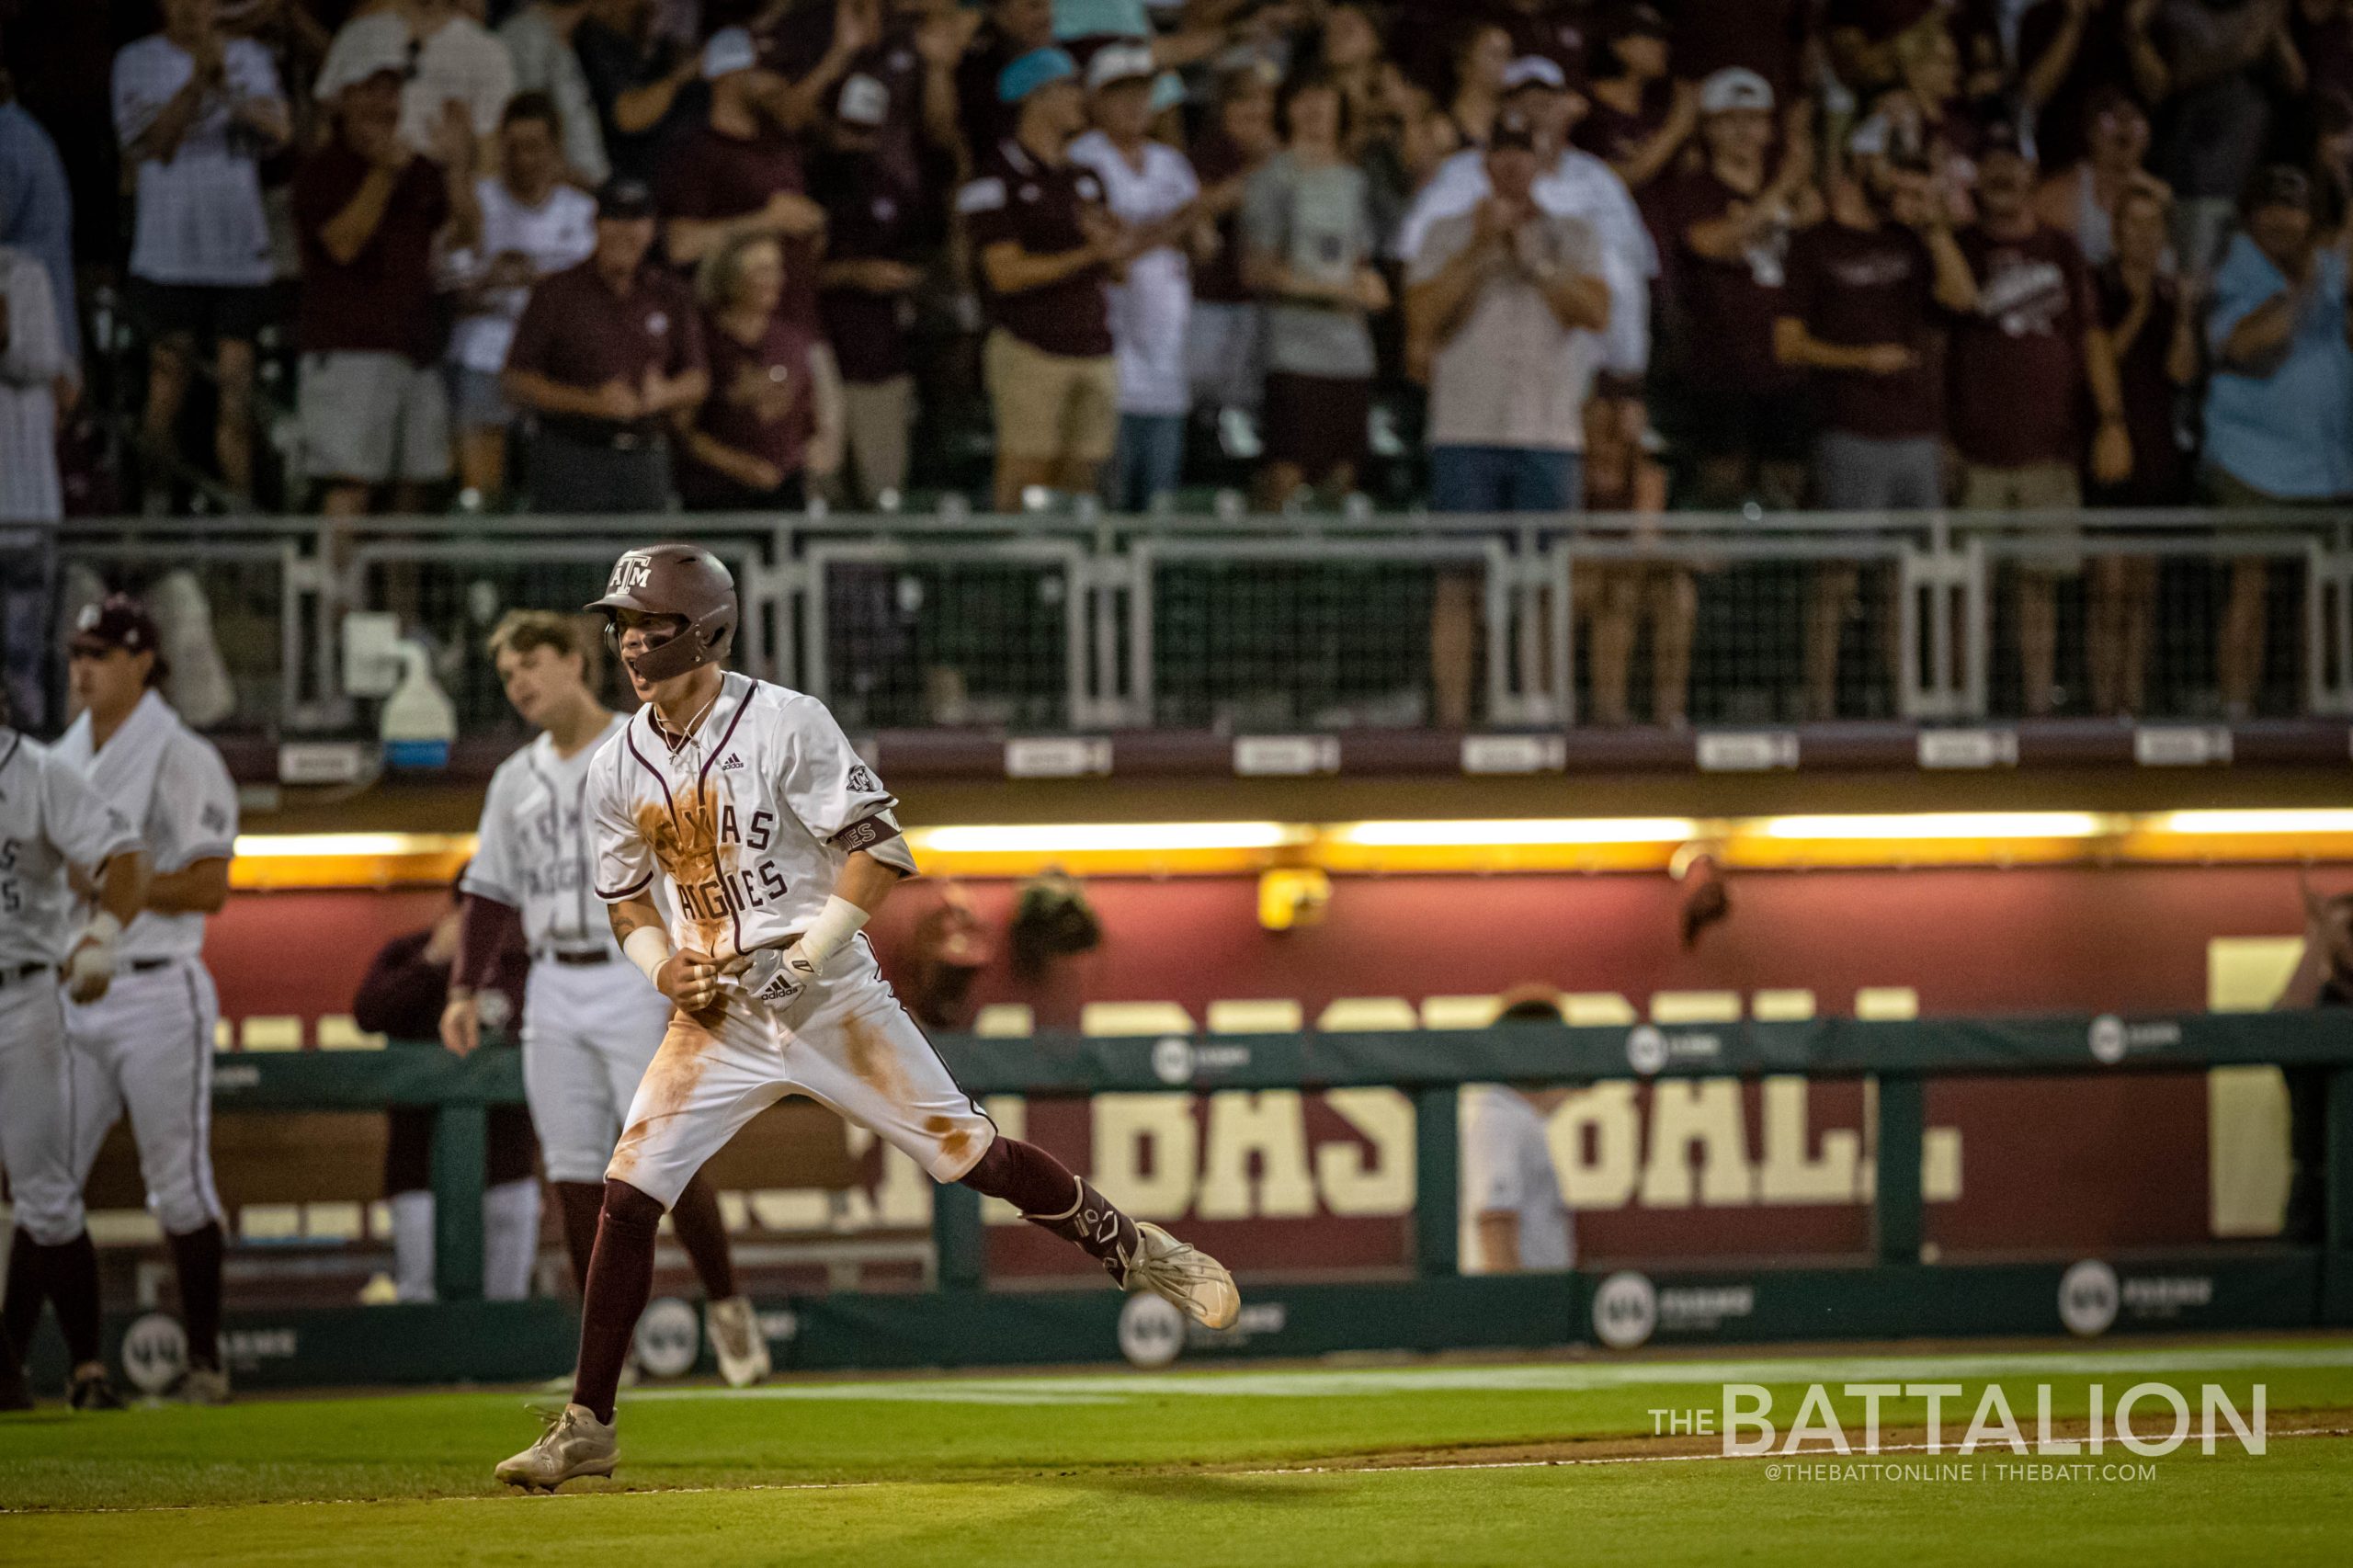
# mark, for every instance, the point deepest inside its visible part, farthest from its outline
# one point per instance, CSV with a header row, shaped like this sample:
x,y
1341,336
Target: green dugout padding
x,y
965,1324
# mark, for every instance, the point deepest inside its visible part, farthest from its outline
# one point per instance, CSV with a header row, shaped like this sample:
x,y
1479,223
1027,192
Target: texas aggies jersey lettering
x,y
49,818
534,851
747,823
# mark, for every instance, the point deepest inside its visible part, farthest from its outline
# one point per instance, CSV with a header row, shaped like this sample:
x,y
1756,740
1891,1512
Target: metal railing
x,y
1270,623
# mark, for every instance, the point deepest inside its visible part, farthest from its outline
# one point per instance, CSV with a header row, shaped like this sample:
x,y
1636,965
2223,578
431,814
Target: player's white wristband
x,y
831,931
101,930
648,947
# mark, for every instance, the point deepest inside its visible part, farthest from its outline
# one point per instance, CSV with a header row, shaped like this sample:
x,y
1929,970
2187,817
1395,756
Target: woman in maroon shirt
x,y
773,421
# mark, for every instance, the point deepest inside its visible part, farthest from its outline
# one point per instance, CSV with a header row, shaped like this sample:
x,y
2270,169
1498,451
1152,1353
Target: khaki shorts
x,y
368,418
1052,406
846,1043
2039,487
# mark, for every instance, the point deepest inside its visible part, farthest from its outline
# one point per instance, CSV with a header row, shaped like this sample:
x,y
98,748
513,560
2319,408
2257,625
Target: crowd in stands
x,y
1484,254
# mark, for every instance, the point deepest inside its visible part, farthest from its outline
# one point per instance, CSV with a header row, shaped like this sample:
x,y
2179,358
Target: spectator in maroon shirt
x,y
1045,249
605,353
2153,333
773,421
374,408
1861,317
1727,228
1640,118
2019,365
737,174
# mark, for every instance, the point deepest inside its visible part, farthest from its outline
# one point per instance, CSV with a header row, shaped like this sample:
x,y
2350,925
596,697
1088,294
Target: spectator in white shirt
x,y
196,113
539,40
450,58
532,225
1575,184
1511,1190
1150,187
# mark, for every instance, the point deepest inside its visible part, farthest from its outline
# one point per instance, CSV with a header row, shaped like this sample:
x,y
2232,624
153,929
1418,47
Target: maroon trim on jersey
x,y
864,833
670,801
642,882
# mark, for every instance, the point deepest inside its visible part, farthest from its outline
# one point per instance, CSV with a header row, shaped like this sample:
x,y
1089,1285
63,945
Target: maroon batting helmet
x,y
673,579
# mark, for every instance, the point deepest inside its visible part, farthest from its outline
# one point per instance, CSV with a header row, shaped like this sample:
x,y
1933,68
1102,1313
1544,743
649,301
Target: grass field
x,y
1527,1462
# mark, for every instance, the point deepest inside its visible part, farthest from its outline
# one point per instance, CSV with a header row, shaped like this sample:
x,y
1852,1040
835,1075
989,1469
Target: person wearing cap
x,y
648,88
1574,184
2019,369
197,113
737,174
605,355
370,215
533,226
2280,402
1641,119
145,1046
1150,187
445,56
1741,414
1308,250
1508,297
1045,249
1863,315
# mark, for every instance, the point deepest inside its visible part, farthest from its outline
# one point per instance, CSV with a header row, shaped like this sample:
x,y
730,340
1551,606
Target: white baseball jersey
x,y
50,817
173,787
1507,1168
750,819
533,852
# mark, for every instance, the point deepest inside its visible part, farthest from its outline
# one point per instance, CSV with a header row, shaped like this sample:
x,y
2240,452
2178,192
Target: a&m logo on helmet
x,y
631,573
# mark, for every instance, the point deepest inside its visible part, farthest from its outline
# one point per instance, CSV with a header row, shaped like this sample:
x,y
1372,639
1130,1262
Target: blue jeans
x,y
1148,460
1505,479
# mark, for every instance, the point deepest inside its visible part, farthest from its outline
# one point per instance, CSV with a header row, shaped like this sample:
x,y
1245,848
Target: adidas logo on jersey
x,y
730,763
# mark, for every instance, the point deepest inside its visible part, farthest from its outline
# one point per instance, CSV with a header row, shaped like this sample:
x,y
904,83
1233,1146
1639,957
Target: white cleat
x,y
1181,1273
202,1385
736,1339
574,1444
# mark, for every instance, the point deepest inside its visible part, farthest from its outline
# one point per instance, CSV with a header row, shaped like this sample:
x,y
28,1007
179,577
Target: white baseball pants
x,y
146,1047
589,1032
35,1085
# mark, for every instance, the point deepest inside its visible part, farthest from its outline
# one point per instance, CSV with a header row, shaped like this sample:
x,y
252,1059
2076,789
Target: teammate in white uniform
x,y
591,1022
146,1045
741,809
51,819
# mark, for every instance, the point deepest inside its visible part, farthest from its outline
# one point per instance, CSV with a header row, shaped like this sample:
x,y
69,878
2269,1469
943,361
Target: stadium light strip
x,y
1859,841
1114,838
1928,825
1512,833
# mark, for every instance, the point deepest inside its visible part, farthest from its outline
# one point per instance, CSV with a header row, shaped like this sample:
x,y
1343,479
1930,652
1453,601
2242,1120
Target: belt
x,y
603,435
586,957
149,966
22,971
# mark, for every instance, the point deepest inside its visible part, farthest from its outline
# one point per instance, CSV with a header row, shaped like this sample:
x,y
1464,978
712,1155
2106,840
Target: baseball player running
x,y
51,819
146,1044
590,1021
740,807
